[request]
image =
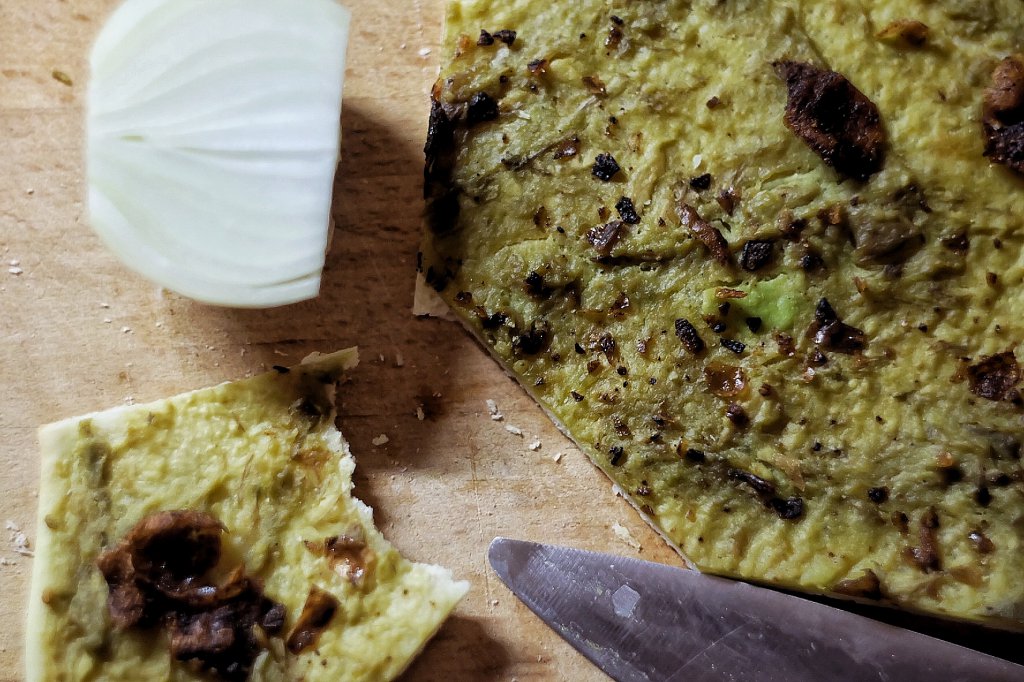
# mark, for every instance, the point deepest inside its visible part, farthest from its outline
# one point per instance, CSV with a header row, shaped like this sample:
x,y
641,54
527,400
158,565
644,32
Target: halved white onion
x,y
213,135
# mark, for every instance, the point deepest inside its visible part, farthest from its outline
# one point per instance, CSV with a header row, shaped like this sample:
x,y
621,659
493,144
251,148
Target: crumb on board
x,y
424,52
420,414
623,534
492,408
558,457
15,270
514,430
18,540
399,360
382,439
535,445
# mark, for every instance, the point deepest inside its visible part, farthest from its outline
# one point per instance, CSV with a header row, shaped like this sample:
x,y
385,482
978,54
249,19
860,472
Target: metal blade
x,y
640,621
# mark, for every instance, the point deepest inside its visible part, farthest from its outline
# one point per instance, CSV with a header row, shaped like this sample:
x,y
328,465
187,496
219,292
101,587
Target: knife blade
x,y
639,621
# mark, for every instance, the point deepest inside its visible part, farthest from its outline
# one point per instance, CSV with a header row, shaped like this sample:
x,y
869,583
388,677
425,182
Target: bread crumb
x,y
558,457
382,439
535,445
492,407
14,262
623,534
420,414
425,51
399,360
14,270
494,602
19,541
514,430
126,330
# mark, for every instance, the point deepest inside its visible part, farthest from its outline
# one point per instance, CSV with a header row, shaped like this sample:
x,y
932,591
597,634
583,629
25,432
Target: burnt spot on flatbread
x,y
831,333
835,119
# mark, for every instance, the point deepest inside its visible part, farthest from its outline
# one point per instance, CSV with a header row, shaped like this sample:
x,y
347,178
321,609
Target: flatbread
x,y
261,456
762,261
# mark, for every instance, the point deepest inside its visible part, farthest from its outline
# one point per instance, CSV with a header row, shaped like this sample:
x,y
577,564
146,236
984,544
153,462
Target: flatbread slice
x,y
258,467
763,261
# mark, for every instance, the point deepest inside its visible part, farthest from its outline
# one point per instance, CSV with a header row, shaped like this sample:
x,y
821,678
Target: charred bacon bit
x,y
926,554
725,381
868,586
535,286
595,86
687,333
756,254
614,38
981,542
756,483
788,508
709,236
995,377
506,36
701,182
787,347
567,149
615,455
605,167
727,199
482,108
878,495
737,415
534,340
835,119
619,308
485,39
604,237
908,31
693,455
1003,114
538,67
831,333
627,211
316,615
157,575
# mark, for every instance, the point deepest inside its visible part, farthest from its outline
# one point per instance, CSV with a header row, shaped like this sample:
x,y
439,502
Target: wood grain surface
x,y
79,332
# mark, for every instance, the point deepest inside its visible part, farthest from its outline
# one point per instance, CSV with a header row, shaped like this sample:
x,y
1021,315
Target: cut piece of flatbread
x,y
263,458
762,261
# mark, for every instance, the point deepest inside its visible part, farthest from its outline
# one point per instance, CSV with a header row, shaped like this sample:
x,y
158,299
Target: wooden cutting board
x,y
79,332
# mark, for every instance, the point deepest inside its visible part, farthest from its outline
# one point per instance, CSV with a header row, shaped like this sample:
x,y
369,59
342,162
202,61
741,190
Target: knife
x,y
641,621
